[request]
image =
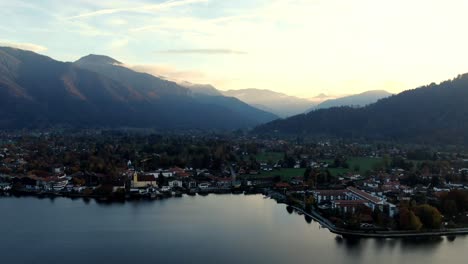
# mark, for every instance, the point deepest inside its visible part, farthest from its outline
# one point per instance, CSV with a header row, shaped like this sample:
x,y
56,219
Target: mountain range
x,y
98,91
278,103
281,104
429,114
356,100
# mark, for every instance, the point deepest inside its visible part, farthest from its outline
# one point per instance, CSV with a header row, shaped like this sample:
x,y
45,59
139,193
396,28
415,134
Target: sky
x,y
299,47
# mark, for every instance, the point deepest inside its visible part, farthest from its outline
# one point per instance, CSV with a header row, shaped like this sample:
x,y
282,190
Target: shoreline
x,y
345,233
380,234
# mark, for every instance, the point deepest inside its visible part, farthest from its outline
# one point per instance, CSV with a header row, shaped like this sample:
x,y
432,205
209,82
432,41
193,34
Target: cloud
x,y
172,73
24,46
169,72
119,43
138,9
203,51
117,22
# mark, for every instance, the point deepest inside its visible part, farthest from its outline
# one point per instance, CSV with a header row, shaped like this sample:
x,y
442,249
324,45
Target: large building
x,y
347,200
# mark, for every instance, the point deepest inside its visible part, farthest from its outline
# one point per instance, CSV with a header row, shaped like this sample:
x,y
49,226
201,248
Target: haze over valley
x,y
248,131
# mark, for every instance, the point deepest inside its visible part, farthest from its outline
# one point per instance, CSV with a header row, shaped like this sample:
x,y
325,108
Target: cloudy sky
x,y
300,47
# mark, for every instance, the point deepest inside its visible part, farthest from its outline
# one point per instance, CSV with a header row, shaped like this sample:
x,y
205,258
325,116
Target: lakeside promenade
x,y
381,234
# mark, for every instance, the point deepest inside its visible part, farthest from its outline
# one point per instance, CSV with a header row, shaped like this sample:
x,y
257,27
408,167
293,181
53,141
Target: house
x,y
190,184
175,183
164,173
179,172
282,185
224,182
5,186
143,181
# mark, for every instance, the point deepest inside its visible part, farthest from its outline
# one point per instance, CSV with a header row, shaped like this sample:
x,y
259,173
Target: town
x,y
358,186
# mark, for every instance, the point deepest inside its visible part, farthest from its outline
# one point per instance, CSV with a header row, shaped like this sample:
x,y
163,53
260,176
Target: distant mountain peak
x,y
355,100
200,89
97,59
322,95
383,92
280,104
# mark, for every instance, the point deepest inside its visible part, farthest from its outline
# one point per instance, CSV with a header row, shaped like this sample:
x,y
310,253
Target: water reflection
x,y
426,244
228,229
86,200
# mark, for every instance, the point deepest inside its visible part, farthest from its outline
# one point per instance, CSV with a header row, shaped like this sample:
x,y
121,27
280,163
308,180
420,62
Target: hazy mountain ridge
x,y
96,91
432,113
356,100
201,89
278,103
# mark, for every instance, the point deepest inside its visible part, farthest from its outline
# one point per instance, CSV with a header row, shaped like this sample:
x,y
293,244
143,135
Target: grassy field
x,y
285,174
269,156
364,164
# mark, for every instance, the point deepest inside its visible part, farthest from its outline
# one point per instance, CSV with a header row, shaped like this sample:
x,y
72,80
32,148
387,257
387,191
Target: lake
x,y
198,229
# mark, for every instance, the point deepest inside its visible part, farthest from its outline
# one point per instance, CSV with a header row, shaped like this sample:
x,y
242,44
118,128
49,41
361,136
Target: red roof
x,y
183,174
176,170
282,185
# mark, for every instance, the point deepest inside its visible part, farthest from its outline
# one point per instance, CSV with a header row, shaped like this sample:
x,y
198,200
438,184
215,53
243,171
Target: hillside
x,y
96,91
156,87
436,112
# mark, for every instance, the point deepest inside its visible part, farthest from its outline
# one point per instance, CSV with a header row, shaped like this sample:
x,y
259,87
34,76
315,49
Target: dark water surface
x,y
211,229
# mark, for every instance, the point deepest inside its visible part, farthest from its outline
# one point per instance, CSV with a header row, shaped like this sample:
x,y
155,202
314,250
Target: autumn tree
x,y
408,220
430,216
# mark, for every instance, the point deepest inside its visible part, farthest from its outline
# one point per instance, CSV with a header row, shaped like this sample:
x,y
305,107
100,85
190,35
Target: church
x,y
143,181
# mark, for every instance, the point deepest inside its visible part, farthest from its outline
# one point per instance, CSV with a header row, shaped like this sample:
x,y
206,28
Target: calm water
x,y
211,229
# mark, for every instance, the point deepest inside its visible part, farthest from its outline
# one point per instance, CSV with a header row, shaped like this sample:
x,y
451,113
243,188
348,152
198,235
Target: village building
x,y
143,181
329,195
175,183
349,199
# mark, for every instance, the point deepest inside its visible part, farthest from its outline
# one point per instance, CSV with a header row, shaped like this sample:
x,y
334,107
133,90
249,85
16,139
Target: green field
x,y
269,156
285,174
364,164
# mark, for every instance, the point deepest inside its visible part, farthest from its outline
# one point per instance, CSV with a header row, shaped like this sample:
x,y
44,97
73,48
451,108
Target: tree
x,y
408,220
460,197
430,217
309,201
435,181
307,174
449,208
